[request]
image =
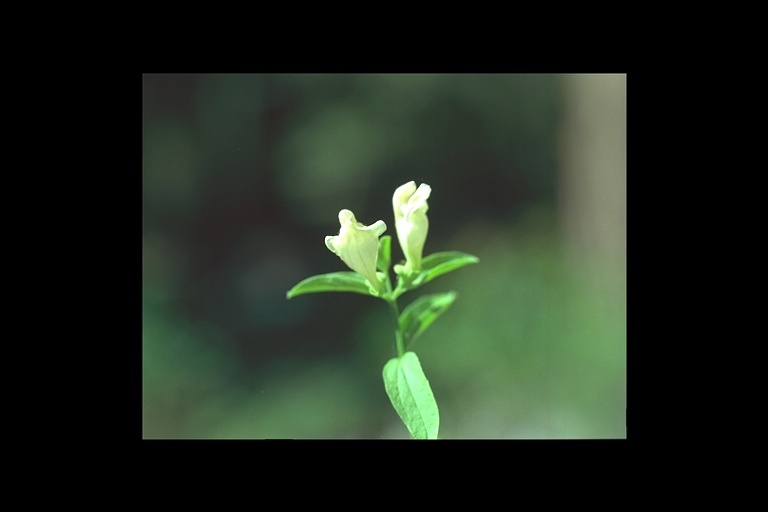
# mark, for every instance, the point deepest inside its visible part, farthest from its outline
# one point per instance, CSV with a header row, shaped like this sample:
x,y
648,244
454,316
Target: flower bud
x,y
411,223
358,245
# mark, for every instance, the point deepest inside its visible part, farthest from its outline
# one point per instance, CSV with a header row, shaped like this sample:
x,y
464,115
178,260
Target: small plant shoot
x,y
368,254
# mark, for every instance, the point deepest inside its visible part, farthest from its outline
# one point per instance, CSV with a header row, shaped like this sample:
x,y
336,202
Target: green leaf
x,y
441,263
411,396
332,282
419,315
385,252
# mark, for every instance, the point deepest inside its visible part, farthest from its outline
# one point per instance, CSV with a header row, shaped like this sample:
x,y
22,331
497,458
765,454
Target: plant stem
x,y
399,343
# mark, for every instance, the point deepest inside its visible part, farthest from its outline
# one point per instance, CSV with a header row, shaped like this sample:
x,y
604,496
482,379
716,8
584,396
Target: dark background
x,y
244,176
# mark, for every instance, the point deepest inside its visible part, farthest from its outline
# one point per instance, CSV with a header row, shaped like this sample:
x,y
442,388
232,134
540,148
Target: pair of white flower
x,y
358,245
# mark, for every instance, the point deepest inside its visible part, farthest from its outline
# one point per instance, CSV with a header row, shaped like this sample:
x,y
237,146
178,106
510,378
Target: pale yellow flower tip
x,y
410,207
358,245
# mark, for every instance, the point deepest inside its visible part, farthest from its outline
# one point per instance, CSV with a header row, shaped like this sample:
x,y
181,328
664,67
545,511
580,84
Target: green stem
x,y
399,343
391,297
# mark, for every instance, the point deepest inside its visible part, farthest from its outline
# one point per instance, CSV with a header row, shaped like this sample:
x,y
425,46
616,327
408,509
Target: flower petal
x,y
330,243
401,196
410,207
358,245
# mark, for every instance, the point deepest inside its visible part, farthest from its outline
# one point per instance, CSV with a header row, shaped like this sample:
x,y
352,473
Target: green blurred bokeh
x,y
244,176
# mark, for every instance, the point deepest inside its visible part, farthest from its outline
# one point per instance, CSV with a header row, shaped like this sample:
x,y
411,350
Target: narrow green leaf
x,y
411,396
419,315
385,252
441,263
332,282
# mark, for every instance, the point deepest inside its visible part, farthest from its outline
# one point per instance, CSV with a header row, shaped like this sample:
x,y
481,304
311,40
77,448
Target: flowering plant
x,y
364,250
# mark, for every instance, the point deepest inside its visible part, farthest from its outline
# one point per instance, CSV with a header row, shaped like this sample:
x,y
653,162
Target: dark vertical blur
x,y
244,176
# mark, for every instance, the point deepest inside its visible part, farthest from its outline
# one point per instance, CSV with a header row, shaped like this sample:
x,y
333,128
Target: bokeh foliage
x,y
244,176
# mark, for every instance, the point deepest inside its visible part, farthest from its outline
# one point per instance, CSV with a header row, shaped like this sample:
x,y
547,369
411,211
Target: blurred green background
x,y
244,176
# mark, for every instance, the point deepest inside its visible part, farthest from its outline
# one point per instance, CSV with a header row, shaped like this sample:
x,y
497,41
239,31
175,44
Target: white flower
x,y
411,223
358,245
